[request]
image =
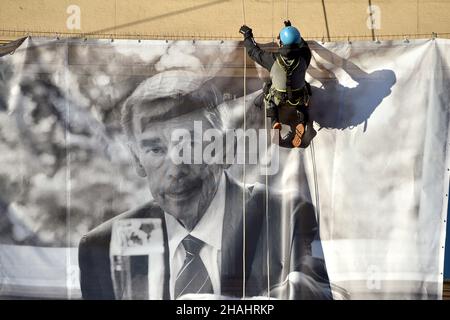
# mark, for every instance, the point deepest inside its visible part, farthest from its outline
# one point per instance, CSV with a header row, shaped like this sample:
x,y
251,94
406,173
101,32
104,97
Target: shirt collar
x,y
208,229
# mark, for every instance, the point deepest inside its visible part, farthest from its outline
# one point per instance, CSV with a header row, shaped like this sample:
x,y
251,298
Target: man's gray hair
x,y
192,92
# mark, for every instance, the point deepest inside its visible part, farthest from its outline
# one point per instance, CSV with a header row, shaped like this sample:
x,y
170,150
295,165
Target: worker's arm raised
x,y
264,58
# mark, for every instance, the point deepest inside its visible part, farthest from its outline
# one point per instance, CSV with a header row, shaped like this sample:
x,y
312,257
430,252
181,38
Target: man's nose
x,y
174,169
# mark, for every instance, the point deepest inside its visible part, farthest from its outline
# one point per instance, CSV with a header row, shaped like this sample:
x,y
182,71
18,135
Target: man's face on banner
x,y
182,190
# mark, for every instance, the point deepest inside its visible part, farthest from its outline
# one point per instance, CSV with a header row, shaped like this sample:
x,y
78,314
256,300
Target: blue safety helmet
x,y
290,35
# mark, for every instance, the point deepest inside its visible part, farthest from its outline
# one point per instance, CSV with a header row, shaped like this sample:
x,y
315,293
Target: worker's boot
x,y
276,131
276,125
297,140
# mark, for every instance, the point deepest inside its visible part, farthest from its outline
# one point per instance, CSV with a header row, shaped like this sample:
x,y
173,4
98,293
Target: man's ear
x,y
137,163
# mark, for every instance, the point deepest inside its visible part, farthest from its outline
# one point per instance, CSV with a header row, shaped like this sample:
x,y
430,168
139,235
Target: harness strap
x,y
298,96
288,68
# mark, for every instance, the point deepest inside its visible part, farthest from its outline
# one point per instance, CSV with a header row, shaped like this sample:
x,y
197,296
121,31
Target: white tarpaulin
x,y
382,165
377,172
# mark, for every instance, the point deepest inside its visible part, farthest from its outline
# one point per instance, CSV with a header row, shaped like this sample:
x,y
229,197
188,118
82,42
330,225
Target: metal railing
x,y
8,35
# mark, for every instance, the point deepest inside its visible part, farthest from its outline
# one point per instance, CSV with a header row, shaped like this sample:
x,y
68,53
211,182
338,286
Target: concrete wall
x,y
334,19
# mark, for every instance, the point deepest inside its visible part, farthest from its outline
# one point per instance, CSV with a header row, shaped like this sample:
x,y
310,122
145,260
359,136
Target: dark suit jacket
x,y
291,227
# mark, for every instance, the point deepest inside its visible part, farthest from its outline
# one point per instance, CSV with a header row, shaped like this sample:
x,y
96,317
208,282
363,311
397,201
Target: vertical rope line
x,y
287,9
273,26
267,208
326,19
243,10
243,169
371,21
243,180
316,187
68,177
115,18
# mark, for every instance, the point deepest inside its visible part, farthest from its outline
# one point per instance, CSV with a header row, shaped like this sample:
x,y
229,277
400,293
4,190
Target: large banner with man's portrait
x,y
149,170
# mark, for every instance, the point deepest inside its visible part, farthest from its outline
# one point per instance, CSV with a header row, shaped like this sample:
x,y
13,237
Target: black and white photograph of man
x,y
202,210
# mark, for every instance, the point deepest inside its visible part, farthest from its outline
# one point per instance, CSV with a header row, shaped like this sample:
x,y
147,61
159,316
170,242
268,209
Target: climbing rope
x,y
243,10
267,183
243,174
316,187
287,10
267,206
244,178
243,170
273,24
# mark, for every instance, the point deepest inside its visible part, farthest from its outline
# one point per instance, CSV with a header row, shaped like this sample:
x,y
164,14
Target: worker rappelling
x,y
286,94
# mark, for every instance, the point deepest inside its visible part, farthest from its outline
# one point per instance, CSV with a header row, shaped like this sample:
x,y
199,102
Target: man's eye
x,y
154,150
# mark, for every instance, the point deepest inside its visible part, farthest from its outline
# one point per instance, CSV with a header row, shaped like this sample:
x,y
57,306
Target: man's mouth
x,y
181,194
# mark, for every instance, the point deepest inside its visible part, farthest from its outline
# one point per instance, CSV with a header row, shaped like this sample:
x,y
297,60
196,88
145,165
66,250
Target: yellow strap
x,y
293,104
281,90
287,64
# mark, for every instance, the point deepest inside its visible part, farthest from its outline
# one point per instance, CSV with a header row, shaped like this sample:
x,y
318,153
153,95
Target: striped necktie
x,y
193,276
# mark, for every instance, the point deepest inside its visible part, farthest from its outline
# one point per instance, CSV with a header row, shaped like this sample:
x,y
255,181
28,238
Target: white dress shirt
x,y
209,230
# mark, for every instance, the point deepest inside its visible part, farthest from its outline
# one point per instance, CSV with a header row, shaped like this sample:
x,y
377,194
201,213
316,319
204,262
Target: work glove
x,y
287,23
246,31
